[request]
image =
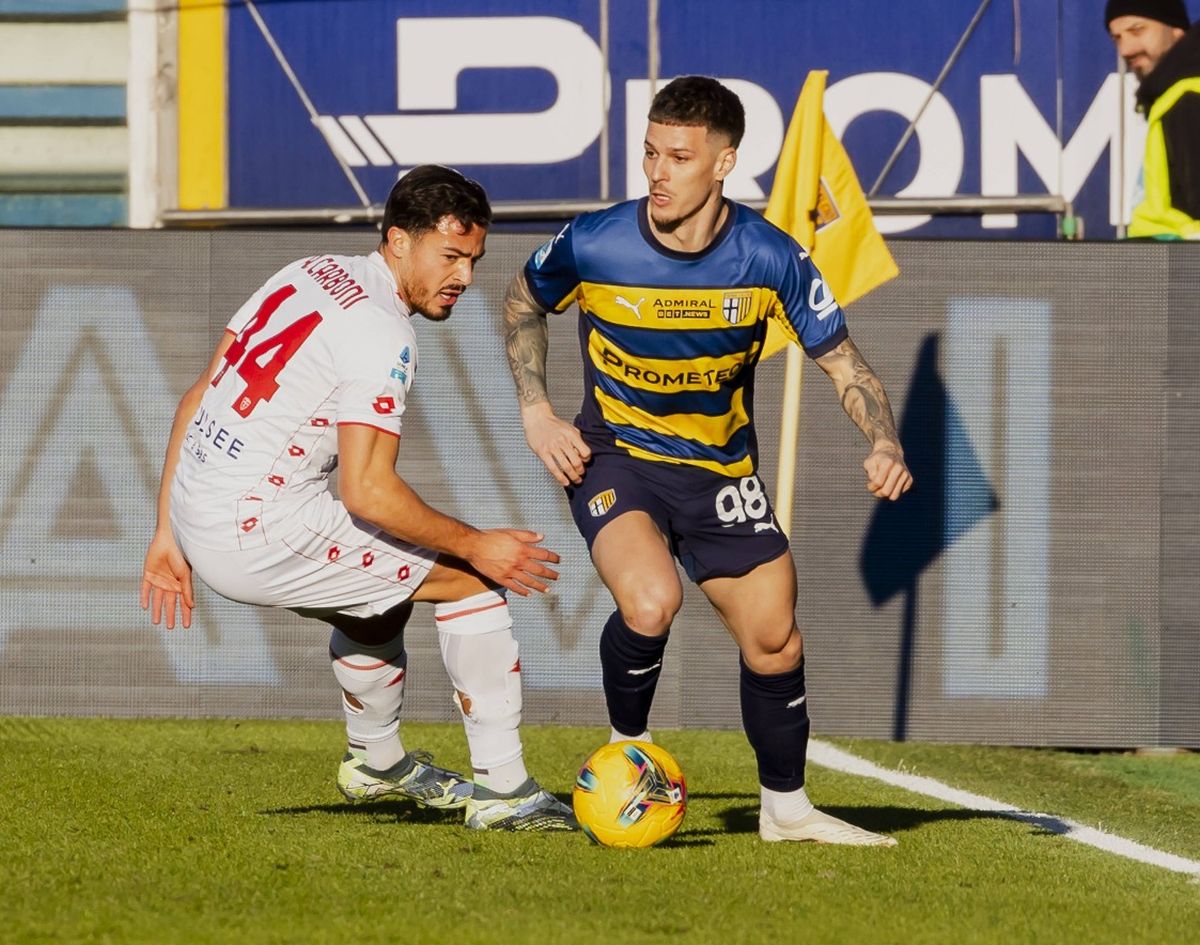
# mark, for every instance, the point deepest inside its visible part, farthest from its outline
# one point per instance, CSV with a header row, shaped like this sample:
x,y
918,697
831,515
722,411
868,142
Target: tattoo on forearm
x,y
861,393
526,339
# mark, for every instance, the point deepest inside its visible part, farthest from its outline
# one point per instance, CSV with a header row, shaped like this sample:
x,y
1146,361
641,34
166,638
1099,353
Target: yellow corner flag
x,y
817,199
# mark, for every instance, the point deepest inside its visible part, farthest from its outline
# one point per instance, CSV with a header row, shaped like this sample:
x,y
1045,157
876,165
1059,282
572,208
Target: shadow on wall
x,y
950,495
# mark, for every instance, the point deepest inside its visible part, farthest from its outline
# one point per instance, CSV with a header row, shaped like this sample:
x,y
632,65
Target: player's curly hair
x,y
700,100
429,192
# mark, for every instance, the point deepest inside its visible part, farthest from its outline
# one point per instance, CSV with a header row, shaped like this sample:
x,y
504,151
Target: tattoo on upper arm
x,y
526,339
860,391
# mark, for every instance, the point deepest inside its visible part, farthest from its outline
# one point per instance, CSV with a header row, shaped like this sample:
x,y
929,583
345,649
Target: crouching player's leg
x,y
758,610
481,657
367,605
369,662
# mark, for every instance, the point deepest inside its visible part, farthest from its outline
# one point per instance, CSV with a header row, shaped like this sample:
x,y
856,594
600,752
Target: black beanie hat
x,y
1171,12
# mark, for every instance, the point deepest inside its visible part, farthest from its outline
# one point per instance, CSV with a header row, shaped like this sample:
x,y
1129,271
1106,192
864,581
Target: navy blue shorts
x,y
716,526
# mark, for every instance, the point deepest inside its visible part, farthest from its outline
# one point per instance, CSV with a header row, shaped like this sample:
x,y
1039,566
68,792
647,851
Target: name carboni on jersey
x,y
330,276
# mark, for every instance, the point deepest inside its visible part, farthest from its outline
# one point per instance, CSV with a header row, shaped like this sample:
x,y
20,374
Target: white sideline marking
x,y
828,756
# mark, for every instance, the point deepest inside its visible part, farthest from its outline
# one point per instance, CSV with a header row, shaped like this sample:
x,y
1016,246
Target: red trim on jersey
x,y
363,423
474,610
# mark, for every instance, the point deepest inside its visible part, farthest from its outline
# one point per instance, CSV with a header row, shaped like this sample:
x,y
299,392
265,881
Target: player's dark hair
x,y
429,192
699,100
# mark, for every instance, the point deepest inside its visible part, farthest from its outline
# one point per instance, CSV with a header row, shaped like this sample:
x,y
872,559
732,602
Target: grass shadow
x,y
400,811
888,819
879,819
746,796
689,838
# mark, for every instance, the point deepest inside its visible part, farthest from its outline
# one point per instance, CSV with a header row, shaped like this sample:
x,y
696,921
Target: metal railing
x,y
532,211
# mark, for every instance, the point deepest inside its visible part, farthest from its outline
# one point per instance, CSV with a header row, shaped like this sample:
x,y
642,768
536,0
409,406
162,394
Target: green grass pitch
x,y
225,831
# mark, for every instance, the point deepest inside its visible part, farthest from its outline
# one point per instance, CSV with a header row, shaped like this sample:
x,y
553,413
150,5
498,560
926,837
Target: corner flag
x,y
817,199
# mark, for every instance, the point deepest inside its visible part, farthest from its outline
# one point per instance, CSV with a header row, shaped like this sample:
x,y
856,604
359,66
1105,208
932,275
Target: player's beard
x,y
432,307
437,313
671,224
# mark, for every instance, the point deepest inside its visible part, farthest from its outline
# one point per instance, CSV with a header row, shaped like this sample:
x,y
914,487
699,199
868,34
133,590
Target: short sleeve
x,y
808,311
374,378
551,272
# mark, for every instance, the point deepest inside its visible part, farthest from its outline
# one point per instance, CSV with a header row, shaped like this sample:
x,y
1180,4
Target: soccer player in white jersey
x,y
675,292
312,374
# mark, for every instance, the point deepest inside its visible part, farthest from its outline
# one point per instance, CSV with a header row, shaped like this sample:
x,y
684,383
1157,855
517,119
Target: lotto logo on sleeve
x,y
385,405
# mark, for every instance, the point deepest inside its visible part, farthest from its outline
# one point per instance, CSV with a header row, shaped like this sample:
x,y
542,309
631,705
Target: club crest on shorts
x,y
737,305
601,503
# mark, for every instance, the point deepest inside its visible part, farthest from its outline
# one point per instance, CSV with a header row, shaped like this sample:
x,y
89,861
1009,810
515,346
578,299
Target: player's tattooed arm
x,y
866,403
526,339
556,443
860,392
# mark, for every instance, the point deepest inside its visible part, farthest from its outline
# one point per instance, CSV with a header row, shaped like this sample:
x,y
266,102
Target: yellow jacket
x,y
1170,95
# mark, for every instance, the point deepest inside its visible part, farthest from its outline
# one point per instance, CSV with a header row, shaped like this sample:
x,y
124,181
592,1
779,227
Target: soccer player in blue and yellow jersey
x,y
675,292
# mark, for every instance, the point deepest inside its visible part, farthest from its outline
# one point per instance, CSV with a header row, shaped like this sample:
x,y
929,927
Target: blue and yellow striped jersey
x,y
670,339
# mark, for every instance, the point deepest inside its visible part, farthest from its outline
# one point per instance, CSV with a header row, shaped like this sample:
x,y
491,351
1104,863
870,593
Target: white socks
x,y
475,635
785,807
372,681
615,736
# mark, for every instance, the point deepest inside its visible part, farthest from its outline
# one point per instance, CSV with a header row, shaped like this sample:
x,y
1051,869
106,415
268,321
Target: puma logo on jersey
x,y
766,527
621,300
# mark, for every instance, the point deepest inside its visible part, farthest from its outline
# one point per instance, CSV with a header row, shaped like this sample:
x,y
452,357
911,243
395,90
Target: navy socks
x,y
631,664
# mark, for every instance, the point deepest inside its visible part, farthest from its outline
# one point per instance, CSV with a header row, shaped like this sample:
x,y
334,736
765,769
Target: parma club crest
x,y
736,305
601,503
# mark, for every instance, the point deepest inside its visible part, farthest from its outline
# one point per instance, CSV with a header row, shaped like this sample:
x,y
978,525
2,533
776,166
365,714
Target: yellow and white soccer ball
x,y
630,794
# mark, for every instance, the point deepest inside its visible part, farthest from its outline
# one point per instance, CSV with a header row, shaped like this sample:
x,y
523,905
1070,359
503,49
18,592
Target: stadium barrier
x,y
1039,586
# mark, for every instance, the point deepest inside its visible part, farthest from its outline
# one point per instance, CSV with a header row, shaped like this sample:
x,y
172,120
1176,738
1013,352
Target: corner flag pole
x,y
816,198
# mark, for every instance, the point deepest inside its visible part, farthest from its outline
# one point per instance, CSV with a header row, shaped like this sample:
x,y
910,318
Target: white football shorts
x,y
328,562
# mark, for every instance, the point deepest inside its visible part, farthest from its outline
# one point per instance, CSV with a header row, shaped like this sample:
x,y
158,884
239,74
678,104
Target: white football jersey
x,y
325,341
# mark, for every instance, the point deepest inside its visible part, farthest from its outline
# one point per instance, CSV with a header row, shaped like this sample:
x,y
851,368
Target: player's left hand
x,y
513,558
167,581
887,475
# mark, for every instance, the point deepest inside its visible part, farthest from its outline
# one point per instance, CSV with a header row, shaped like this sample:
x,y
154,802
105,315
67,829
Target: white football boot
x,y
819,827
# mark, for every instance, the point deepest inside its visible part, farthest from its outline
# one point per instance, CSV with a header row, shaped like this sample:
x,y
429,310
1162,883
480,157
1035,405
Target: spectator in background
x,y
1154,39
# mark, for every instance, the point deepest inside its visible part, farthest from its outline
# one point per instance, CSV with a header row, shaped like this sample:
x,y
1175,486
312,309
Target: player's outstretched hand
x,y
556,443
167,581
887,475
513,558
